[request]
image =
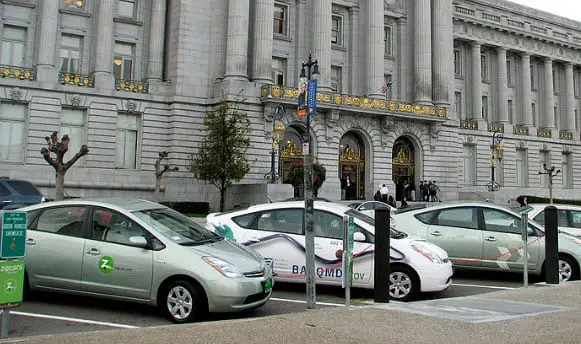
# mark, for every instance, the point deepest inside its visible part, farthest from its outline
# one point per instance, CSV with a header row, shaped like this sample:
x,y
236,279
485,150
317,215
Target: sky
x,y
565,8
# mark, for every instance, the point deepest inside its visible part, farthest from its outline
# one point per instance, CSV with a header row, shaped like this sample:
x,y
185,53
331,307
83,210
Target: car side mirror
x,y
359,237
138,241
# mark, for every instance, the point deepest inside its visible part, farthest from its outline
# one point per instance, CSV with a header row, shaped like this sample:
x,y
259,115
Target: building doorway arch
x,y
352,166
403,167
290,151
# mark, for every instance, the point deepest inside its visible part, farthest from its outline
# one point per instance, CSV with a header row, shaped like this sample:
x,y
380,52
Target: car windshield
x,y
395,234
176,227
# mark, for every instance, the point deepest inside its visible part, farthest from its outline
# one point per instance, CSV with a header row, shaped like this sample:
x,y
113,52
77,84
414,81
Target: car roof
x,y
125,204
322,205
556,205
460,204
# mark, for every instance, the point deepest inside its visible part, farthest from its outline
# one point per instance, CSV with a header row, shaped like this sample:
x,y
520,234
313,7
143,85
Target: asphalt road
x,y
49,313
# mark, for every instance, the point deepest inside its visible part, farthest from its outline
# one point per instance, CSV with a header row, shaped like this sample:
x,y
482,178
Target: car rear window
x,y
244,220
425,217
24,188
4,191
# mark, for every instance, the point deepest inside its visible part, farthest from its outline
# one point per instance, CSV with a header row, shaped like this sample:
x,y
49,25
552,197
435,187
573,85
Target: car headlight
x,y
424,251
222,267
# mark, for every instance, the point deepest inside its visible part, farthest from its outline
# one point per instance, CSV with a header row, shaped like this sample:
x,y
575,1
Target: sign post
x,y
524,220
12,246
347,258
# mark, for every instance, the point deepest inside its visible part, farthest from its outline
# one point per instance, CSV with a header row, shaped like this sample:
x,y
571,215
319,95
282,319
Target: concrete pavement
x,y
538,314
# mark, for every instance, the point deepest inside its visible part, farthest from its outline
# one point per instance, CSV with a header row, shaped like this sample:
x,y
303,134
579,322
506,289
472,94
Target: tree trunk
x,y
157,188
222,196
59,191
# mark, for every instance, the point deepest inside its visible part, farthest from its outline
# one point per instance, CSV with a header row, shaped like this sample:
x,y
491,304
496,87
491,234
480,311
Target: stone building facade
x,y
132,78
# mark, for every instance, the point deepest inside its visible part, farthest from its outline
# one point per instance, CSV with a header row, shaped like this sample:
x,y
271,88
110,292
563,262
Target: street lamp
x,y
278,130
552,173
497,154
310,69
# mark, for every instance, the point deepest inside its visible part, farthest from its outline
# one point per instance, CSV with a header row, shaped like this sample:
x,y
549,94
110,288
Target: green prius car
x,y
136,250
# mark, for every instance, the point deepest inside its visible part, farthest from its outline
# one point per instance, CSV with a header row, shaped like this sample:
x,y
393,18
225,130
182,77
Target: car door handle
x,y
490,238
254,239
93,252
30,242
436,233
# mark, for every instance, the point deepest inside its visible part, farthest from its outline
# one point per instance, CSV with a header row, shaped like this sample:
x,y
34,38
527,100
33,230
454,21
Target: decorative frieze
x,y
496,127
520,130
565,135
544,132
470,124
132,86
77,79
18,73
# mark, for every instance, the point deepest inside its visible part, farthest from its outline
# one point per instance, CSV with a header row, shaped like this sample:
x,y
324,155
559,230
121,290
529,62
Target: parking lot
x,y
47,313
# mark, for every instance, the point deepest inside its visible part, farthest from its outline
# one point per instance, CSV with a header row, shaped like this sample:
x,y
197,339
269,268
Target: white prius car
x,y
276,231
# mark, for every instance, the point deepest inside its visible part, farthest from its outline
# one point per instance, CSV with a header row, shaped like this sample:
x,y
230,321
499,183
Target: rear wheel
x,y
403,284
183,302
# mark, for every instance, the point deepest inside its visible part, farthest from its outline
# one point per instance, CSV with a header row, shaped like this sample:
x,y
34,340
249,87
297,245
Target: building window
x,y
337,30
126,142
534,114
388,40
521,168
555,82
280,19
336,79
388,85
556,118
510,112
509,72
458,97
78,4
566,170
484,67
279,71
485,108
575,85
73,124
12,132
533,77
123,61
469,167
126,8
70,53
457,62
13,44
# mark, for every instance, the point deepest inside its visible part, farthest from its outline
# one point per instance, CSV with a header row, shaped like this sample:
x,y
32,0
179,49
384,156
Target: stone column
x,y
476,82
46,68
443,48
374,54
423,52
105,42
263,32
527,113
237,40
549,113
570,98
321,35
403,60
502,85
354,73
156,41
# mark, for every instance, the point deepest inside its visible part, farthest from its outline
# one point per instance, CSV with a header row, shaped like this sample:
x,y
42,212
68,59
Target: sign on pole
x,y
11,283
312,97
13,239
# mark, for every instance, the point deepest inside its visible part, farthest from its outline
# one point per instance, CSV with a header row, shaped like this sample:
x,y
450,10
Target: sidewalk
x,y
538,314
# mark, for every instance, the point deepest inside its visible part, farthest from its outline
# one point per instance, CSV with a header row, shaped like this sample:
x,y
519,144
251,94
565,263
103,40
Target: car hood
x,y
245,259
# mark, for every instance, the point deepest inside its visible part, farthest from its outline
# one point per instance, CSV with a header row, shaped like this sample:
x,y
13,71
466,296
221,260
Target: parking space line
x,y
301,301
482,286
76,320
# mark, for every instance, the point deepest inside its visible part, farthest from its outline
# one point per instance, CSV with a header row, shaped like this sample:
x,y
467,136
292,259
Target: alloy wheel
x,y
179,302
565,270
400,285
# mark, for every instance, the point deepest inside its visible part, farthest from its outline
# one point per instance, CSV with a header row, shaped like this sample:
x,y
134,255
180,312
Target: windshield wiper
x,y
198,242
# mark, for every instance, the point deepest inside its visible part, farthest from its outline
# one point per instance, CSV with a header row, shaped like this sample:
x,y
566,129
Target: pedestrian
x,y
343,187
377,196
391,202
421,189
426,191
522,200
384,191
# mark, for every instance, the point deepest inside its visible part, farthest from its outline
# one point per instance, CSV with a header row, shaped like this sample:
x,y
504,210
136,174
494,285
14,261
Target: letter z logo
x,y
106,264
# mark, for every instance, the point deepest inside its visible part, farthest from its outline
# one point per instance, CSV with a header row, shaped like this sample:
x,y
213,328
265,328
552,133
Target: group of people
x,y
429,191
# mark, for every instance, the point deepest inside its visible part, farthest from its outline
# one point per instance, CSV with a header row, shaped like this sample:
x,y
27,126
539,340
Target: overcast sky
x,y
565,8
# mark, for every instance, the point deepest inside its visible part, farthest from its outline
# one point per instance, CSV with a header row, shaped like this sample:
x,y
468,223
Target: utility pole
x,y
552,173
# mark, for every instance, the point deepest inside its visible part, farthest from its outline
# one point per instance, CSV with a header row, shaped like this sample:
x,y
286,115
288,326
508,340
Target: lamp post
x,y
552,173
497,154
278,129
309,69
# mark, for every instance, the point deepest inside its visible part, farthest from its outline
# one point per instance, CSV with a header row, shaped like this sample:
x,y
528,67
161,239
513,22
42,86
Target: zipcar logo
x,y
106,264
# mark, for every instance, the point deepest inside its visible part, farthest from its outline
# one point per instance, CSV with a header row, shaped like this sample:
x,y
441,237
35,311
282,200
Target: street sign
x,y
11,283
312,97
13,239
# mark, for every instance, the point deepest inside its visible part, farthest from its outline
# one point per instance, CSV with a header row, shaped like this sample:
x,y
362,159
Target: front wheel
x,y
403,284
183,302
567,269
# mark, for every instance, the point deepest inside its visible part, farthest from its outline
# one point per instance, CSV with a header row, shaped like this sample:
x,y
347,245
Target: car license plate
x,y
267,285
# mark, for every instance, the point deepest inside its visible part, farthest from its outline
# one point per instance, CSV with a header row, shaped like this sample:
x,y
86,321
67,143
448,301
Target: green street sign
x,y
13,239
351,228
11,283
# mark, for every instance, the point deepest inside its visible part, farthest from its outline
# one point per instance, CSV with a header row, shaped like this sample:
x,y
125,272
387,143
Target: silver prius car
x,y
141,251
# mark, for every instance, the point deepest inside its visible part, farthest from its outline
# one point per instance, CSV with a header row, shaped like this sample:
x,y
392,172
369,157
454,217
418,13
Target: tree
x,y
60,148
296,177
160,171
221,158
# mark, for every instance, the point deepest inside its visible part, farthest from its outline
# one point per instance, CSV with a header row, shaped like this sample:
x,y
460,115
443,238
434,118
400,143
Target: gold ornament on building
x,y
290,150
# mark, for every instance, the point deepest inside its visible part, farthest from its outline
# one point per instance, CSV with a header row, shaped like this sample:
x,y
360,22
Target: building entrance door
x,y
352,167
403,167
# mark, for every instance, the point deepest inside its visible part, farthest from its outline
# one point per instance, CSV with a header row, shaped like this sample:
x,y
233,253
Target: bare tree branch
x,y
46,155
82,152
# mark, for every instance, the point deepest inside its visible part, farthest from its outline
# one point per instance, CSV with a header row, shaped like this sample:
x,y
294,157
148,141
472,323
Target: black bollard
x,y
382,251
551,246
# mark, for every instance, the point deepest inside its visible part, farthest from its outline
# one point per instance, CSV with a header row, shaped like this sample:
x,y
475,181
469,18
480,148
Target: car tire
x,y
568,270
403,284
183,302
